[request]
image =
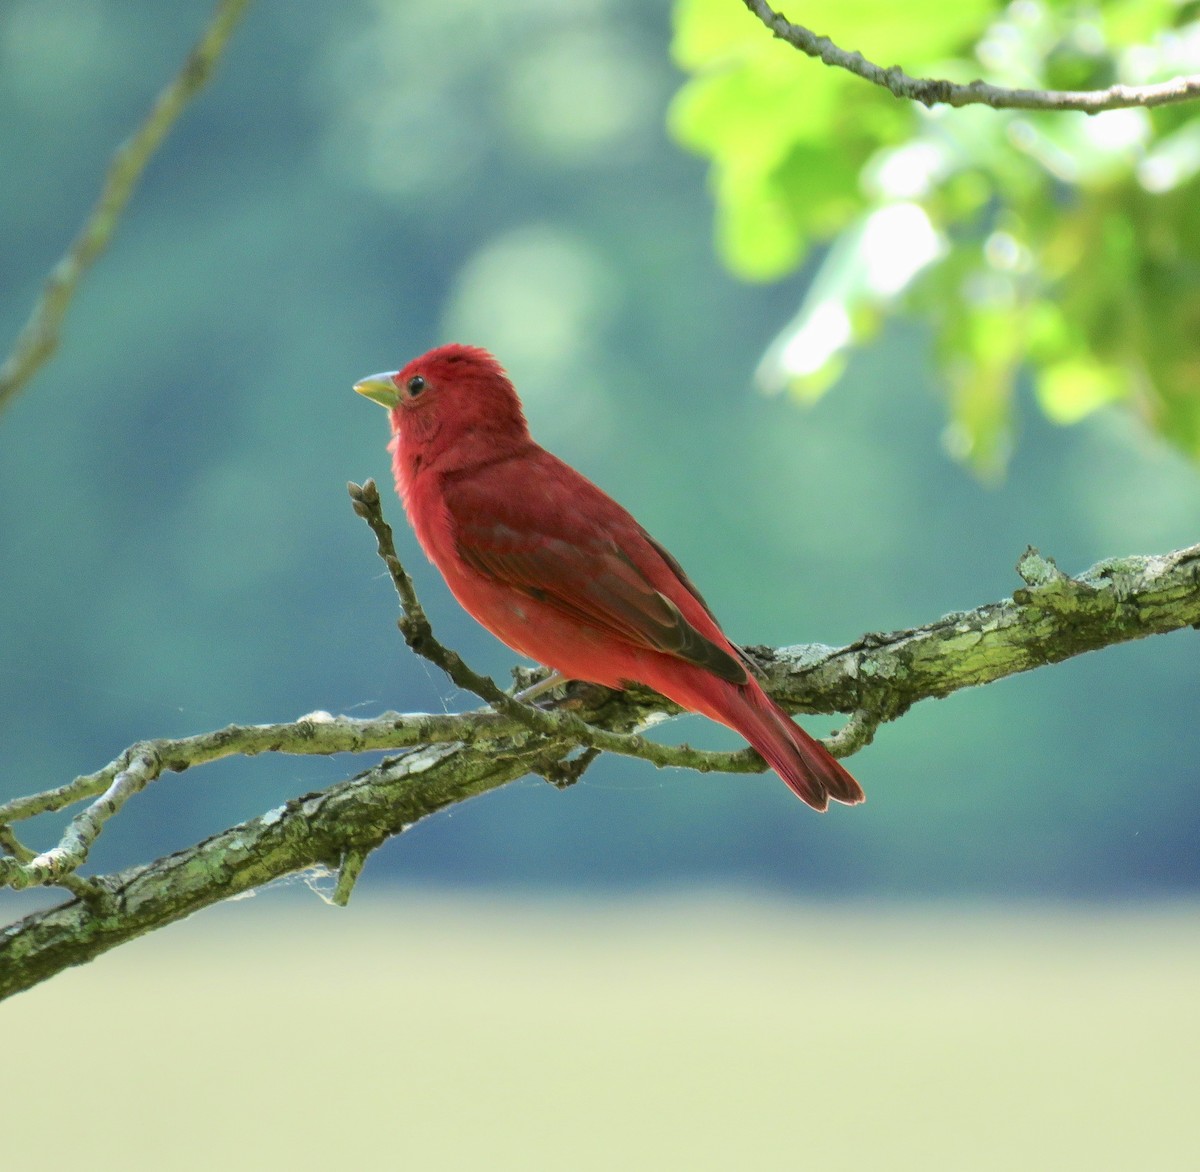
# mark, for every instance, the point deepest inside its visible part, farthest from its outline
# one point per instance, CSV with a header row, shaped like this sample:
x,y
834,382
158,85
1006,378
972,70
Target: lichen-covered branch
x,y
137,766
1052,618
40,335
933,92
447,759
348,819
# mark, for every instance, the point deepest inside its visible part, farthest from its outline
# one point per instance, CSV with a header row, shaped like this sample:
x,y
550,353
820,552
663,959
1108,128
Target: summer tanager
x,y
558,570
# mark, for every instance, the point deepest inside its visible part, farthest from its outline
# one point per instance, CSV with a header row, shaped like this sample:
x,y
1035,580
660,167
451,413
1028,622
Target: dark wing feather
x,y
596,583
689,586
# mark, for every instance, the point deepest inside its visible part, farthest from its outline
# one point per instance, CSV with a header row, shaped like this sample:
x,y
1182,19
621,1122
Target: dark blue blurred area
x,y
365,180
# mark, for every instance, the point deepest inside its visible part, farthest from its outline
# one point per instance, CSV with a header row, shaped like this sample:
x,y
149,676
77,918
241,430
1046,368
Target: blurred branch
x,y
933,92
447,759
39,337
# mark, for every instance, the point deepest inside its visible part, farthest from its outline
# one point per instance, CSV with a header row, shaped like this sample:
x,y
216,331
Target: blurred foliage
x,y
1064,244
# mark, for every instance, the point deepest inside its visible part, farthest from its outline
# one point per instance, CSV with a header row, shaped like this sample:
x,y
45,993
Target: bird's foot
x,y
528,695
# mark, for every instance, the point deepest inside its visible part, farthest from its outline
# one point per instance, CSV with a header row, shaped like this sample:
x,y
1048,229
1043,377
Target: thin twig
x,y
933,92
353,862
83,889
141,767
39,337
857,733
565,772
318,733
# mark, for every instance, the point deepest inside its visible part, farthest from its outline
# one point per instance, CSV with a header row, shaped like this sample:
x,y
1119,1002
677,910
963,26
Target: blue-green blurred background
x,y
366,180
649,969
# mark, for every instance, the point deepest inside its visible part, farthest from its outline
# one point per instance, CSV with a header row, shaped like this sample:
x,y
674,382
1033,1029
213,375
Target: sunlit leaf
x,y
867,268
1072,389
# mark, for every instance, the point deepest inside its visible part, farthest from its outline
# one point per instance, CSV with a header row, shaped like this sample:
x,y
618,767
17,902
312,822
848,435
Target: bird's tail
x,y
808,768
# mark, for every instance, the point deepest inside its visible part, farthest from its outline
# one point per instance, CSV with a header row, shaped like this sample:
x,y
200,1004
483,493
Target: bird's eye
x,y
416,385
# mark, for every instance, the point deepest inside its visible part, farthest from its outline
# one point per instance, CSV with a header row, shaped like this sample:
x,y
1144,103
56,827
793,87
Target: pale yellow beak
x,y
380,388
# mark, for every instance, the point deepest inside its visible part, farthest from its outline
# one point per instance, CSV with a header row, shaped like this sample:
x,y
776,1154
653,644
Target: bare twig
x,y
318,733
351,867
79,887
857,733
141,766
932,92
40,335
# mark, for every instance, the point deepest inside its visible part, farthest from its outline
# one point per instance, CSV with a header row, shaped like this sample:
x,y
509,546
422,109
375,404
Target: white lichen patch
x,y
652,719
426,758
807,654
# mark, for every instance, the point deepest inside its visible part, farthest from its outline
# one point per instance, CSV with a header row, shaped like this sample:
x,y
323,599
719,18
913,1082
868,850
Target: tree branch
x,y
447,759
350,818
1052,618
933,92
39,337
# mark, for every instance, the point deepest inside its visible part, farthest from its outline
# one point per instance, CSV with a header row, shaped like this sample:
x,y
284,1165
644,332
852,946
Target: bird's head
x,y
447,393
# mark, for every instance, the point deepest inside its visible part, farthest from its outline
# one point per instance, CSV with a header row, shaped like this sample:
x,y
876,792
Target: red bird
x,y
558,570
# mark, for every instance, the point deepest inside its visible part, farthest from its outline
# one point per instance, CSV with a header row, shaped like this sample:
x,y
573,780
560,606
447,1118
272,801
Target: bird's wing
x,y
589,572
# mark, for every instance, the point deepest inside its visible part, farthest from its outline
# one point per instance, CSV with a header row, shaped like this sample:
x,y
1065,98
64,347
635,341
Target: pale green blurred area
x,y
706,1033
368,179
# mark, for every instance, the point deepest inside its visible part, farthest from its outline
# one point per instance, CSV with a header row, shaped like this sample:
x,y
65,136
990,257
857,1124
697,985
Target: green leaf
x,y
1070,390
